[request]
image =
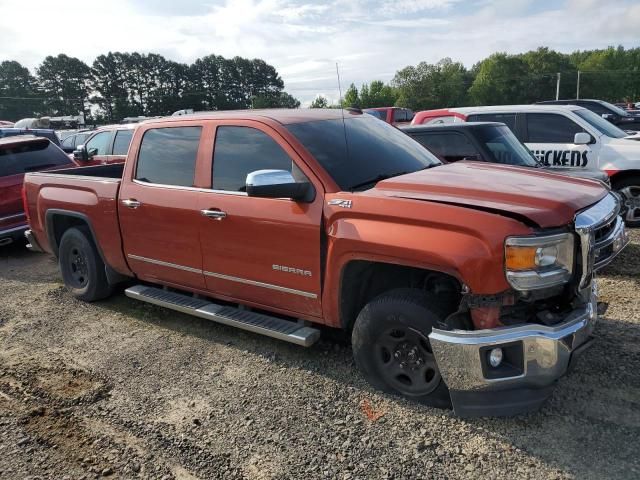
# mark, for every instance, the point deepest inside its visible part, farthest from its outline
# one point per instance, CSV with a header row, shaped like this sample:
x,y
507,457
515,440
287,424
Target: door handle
x,y
131,203
214,214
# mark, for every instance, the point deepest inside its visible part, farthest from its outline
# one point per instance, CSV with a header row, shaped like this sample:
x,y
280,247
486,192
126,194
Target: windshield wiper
x,y
381,177
375,180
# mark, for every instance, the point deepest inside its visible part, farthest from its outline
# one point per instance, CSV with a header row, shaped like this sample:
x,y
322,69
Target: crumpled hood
x,y
580,173
547,199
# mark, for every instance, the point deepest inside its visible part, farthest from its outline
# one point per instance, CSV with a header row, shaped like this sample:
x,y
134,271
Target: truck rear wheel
x,y
392,349
629,188
82,268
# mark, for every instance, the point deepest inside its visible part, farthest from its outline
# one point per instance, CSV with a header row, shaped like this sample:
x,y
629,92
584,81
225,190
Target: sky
x,y
370,40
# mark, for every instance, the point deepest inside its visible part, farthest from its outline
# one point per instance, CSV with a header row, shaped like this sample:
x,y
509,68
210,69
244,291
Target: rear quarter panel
x,y
11,212
95,199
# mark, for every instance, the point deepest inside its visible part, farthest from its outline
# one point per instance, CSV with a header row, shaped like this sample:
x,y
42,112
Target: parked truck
x,y
465,284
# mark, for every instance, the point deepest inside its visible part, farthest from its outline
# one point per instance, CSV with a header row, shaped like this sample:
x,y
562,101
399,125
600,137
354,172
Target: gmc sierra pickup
x,y
464,284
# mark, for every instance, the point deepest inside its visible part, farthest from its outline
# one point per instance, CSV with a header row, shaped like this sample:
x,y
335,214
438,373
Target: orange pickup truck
x,y
466,284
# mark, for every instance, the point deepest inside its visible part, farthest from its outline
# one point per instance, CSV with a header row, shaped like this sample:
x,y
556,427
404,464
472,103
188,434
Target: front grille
x,y
603,241
601,233
597,227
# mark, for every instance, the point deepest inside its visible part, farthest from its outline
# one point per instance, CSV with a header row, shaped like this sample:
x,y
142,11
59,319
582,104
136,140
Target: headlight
x,y
539,262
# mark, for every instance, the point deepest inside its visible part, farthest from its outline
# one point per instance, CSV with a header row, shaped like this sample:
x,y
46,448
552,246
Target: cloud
x,y
395,7
370,39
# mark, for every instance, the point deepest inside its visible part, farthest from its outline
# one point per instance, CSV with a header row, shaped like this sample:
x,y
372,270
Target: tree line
x,y
119,85
611,74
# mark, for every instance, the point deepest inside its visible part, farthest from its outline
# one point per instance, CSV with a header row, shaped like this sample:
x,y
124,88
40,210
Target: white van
x,y
565,136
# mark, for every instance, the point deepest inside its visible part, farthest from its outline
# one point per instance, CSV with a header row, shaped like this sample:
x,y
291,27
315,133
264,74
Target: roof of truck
x,y
451,126
514,108
284,116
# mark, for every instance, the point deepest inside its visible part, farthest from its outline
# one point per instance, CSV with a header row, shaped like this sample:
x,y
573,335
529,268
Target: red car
x,y
19,155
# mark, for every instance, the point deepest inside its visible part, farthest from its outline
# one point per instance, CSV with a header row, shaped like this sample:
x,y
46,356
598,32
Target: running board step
x,y
254,322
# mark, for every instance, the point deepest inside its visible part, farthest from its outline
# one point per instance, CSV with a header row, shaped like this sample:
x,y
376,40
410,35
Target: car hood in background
x,y
546,199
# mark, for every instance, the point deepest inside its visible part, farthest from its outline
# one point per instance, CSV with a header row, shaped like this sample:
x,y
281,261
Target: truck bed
x,y
84,196
113,170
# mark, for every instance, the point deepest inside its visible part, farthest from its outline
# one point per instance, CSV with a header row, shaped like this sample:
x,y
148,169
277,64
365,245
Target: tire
x,y
629,189
391,346
82,269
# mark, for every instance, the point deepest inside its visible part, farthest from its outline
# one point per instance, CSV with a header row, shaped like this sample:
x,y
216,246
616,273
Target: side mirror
x,y
582,138
607,116
82,154
276,184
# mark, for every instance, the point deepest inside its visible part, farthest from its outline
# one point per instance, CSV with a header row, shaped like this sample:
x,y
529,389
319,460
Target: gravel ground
x,y
122,389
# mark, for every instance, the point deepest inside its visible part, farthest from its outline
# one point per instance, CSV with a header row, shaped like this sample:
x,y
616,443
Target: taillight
x,y
25,205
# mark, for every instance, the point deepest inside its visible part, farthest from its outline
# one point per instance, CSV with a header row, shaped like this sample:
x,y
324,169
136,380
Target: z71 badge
x,y
340,203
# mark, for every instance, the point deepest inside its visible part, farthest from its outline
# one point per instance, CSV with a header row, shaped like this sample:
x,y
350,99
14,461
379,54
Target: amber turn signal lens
x,y
520,258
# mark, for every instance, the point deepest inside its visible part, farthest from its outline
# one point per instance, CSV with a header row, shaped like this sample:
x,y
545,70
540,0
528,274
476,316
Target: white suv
x,y
564,136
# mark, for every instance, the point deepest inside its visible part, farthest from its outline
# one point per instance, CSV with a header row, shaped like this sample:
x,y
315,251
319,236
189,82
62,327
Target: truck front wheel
x,y
81,267
629,188
391,346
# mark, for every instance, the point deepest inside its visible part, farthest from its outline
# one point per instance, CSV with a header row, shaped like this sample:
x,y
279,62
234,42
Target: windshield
x,y
603,126
616,109
505,148
373,150
30,157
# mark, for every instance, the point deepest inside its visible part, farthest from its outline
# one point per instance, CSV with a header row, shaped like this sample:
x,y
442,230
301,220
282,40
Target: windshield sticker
x,y
562,158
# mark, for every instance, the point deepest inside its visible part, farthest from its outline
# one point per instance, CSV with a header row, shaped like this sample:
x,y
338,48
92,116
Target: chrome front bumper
x,y
539,355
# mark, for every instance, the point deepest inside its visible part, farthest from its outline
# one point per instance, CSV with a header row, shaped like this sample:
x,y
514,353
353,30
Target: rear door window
x,y
451,146
551,128
122,142
241,150
168,156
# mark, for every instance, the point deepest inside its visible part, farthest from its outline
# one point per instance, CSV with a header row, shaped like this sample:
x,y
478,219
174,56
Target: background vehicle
x,y
274,211
485,141
38,132
565,136
71,142
18,155
392,115
618,116
107,144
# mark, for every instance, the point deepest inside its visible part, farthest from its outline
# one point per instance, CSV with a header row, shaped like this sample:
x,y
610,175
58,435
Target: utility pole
x,y
578,87
558,88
